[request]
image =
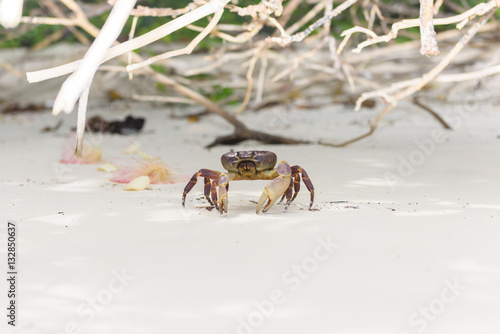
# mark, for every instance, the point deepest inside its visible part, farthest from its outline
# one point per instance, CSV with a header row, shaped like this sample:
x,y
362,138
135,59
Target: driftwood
x,y
266,67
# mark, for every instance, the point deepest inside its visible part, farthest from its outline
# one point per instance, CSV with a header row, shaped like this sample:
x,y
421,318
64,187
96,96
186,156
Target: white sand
x,y
412,254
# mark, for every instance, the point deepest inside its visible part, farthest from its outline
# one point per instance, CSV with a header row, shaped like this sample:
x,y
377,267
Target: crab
x,y
252,165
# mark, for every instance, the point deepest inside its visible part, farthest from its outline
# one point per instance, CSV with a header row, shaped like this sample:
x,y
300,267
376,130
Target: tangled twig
x,y
416,84
269,75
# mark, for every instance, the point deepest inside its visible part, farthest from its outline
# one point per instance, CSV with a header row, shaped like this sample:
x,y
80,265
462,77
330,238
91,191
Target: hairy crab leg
x,y
295,171
206,173
276,187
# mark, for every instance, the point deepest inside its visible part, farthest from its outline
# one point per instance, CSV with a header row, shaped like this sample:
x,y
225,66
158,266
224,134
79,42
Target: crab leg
x,y
208,185
223,183
288,192
276,187
213,190
207,174
295,181
296,186
295,173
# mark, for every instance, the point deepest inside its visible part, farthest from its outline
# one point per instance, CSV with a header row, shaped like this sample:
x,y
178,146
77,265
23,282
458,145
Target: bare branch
x,y
282,76
284,41
10,13
187,50
80,124
249,77
147,38
78,81
428,41
437,5
160,12
168,99
461,19
418,83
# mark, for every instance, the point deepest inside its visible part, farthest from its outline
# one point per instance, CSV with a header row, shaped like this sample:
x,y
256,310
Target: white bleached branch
x,y
73,87
10,12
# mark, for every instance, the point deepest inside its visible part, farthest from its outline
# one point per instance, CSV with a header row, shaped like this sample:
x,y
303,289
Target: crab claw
x,y
223,183
276,188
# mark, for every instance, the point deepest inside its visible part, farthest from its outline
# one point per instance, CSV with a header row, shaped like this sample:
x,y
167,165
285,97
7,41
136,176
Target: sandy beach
x,y
404,237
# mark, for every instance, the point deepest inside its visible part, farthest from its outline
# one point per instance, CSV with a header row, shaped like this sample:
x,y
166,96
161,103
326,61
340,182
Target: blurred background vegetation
x,y
29,35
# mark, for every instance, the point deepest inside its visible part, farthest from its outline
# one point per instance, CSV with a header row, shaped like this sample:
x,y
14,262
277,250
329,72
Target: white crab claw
x,y
276,188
